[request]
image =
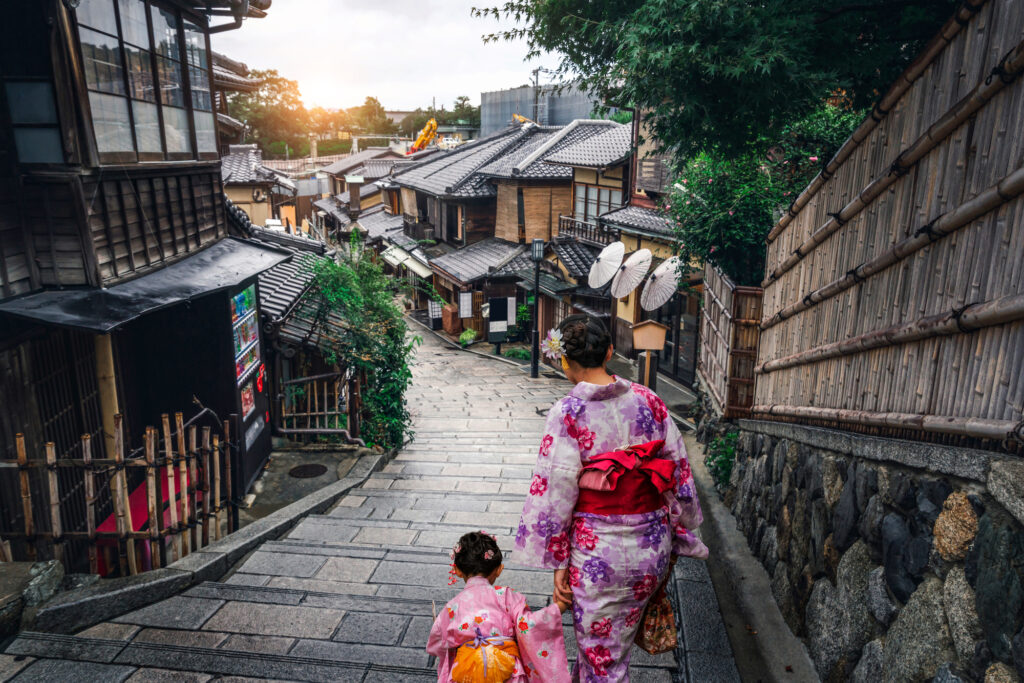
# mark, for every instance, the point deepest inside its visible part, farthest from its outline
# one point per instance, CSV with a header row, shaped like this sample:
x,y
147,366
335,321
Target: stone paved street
x,y
349,595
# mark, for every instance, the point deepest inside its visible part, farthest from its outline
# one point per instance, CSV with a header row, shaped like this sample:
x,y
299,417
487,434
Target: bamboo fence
x,y
189,512
728,342
894,296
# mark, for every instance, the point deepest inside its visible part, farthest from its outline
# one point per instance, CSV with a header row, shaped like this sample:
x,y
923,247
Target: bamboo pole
x,y
89,484
152,496
227,477
26,495
936,133
207,492
124,521
172,500
54,491
179,425
216,493
193,486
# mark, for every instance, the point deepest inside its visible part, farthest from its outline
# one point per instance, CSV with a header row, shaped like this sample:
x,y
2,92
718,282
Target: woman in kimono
x,y
612,502
487,632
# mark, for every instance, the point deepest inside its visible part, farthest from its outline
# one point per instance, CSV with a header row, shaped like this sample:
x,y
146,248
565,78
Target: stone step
x,y
448,483
307,660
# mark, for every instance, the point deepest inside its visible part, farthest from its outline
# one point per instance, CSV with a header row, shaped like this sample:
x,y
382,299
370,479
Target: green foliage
x,y
373,339
328,147
467,337
517,354
273,112
725,205
463,113
365,143
369,117
523,316
720,75
622,116
720,456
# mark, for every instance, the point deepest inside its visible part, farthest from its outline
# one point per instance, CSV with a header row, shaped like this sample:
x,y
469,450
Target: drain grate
x,y
307,471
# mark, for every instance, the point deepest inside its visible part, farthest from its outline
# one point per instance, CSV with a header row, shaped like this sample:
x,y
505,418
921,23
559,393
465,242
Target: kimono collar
x,y
600,392
477,581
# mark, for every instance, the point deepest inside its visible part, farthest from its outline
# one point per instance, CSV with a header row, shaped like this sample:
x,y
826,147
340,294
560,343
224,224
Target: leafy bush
x,y
517,354
467,337
523,315
372,338
719,457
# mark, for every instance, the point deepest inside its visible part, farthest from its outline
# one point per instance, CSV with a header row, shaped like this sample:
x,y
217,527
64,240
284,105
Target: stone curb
x,y
83,607
965,463
784,655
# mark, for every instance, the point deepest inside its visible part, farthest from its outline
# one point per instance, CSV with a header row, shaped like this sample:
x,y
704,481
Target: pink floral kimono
x,y
615,561
484,611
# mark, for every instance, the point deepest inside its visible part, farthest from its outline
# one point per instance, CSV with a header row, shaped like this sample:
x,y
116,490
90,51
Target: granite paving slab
x,y
51,670
177,612
275,620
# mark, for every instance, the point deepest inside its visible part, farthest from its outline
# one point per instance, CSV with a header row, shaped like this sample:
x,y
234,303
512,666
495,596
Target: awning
x,y
226,264
397,256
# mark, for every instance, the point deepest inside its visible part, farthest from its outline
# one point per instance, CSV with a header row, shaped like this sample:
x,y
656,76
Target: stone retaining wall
x,y
893,560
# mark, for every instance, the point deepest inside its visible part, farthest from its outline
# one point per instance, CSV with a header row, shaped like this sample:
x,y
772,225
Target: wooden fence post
x,y
26,496
171,496
227,476
152,496
179,425
54,490
124,518
216,486
206,486
89,483
193,486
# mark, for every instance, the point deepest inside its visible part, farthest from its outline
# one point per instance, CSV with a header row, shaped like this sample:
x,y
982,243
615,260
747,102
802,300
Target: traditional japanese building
x,y
122,290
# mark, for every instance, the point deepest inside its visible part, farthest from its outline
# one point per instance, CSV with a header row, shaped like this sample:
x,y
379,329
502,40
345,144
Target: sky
x,y
403,52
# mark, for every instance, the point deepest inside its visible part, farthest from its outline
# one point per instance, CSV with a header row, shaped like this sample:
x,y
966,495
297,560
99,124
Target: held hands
x,y
563,593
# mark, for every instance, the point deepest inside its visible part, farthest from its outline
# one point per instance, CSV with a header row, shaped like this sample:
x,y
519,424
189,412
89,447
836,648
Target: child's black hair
x,y
472,557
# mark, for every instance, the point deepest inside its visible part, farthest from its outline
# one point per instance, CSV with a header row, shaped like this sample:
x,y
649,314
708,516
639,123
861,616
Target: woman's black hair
x,y
472,557
585,340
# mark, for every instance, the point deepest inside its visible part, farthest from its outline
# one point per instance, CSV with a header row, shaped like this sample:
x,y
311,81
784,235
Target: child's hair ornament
x,y
453,578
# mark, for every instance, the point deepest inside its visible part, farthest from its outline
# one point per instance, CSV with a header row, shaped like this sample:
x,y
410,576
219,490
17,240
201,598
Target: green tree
x,y
369,117
273,112
725,74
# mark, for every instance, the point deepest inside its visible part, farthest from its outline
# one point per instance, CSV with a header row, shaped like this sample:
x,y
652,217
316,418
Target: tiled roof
x,y
529,160
330,206
232,123
517,264
549,284
575,256
345,165
364,191
376,168
243,165
282,285
639,218
599,151
475,261
378,223
455,174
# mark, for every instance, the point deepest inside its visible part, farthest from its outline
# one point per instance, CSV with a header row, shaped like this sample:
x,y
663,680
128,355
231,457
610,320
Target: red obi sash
x,y
625,482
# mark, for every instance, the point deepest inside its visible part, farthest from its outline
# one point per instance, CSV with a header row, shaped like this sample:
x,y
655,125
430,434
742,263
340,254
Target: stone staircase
x,y
350,595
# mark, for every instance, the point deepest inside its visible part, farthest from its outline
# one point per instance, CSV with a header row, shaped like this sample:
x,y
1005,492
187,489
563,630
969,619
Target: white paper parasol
x,y
631,273
661,285
606,265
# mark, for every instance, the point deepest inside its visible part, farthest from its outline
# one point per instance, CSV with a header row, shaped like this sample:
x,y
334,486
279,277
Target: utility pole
x,y
536,255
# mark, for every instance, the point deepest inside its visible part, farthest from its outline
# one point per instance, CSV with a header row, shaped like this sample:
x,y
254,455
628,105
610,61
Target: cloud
x,y
403,52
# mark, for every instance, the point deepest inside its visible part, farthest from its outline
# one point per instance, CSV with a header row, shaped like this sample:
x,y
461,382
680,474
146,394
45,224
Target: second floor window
x,y
147,72
591,201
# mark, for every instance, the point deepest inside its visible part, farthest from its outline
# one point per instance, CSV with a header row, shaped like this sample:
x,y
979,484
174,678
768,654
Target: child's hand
x,y
562,604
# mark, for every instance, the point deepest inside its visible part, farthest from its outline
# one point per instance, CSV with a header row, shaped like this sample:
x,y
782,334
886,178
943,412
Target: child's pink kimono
x,y
500,611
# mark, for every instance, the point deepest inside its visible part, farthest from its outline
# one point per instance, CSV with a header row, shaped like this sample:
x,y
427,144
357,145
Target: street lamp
x,y
536,255
648,336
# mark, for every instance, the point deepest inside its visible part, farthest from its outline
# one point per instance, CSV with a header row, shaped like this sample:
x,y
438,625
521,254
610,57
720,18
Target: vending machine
x,y
252,403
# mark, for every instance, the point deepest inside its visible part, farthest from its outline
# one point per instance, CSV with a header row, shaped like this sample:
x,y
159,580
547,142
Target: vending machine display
x,y
243,303
248,400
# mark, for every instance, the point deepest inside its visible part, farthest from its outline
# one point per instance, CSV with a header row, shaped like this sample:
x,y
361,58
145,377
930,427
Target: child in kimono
x,y
487,633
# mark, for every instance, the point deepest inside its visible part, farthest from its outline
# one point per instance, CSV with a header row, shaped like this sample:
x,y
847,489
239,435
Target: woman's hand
x,y
563,593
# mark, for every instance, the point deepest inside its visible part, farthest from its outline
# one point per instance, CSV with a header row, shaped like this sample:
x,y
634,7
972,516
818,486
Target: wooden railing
x,y
597,235
728,342
184,479
320,405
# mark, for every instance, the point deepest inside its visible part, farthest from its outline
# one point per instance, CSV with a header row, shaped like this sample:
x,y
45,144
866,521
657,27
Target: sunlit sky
x,y
403,52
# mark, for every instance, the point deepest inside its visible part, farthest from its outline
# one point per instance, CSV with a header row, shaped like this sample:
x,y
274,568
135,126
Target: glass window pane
x,y
140,74
110,123
199,81
101,59
38,145
616,198
171,92
165,33
147,127
98,14
592,211
605,200
176,130
581,206
206,132
133,22
31,102
195,45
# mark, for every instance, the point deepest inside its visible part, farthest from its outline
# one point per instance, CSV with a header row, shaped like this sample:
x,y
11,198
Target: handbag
x,y
657,630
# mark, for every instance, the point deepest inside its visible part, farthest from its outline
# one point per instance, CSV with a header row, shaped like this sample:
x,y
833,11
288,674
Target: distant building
x,y
548,105
397,117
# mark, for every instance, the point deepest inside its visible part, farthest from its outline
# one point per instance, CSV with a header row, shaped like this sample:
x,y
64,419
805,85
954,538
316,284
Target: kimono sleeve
x,y
683,506
540,639
440,645
543,536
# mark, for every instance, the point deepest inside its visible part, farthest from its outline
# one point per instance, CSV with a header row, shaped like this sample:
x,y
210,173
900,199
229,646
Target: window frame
x,y
181,59
592,198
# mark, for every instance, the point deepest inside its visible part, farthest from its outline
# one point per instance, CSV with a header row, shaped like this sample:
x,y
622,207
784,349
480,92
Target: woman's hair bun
x,y
585,340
